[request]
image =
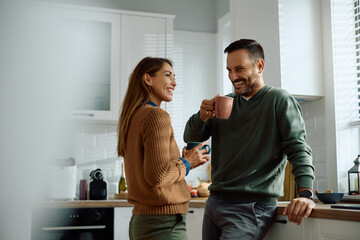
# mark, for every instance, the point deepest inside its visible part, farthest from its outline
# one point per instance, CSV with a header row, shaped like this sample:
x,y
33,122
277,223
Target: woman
x,y
155,171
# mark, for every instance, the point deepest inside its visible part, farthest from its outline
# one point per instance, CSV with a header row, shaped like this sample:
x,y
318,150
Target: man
x,y
250,151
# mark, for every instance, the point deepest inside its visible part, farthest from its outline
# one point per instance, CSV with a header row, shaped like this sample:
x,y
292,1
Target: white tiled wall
x,y
95,141
95,147
314,116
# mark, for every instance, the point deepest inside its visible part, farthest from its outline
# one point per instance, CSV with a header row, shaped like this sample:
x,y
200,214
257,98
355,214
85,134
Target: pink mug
x,y
223,106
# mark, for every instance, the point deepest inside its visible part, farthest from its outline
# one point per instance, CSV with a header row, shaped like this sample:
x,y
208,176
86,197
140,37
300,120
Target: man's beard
x,y
246,91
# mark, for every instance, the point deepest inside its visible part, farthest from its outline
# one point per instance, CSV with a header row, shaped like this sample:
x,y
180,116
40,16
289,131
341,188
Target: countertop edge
x,y
198,203
325,211
320,211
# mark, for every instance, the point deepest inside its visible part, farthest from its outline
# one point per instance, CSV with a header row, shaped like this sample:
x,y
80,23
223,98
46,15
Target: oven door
x,y
73,224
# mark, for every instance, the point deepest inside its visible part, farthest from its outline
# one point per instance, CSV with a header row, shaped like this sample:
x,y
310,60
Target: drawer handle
x,y
191,211
73,228
281,221
84,114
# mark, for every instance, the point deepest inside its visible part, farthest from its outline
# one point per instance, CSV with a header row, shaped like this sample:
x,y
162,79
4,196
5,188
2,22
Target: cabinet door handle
x,y
281,221
191,211
84,114
74,228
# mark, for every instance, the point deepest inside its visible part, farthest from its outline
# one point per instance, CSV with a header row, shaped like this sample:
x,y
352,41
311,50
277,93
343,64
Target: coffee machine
x,y
97,186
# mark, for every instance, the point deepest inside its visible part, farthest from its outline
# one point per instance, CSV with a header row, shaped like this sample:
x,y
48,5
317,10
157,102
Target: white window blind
x,y
353,19
344,62
356,11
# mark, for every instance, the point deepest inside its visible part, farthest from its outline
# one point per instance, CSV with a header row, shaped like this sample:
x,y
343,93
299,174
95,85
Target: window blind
x,y
344,62
356,11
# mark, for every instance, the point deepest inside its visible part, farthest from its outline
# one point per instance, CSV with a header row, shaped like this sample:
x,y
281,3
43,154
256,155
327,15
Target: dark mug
x,y
191,145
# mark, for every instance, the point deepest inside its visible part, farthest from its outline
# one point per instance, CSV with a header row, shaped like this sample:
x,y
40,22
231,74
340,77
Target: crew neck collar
x,y
152,103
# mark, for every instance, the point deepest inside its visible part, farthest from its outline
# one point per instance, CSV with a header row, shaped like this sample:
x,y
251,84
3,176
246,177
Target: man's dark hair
x,y
254,48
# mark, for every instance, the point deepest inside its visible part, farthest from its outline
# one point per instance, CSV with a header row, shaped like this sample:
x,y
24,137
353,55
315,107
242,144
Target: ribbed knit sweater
x,y
155,175
250,149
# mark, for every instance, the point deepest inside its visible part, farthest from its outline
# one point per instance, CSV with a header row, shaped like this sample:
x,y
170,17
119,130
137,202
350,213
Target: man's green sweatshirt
x,y
250,149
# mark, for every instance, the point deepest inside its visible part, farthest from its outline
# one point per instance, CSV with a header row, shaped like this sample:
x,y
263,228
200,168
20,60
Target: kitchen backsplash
x,y
95,147
314,116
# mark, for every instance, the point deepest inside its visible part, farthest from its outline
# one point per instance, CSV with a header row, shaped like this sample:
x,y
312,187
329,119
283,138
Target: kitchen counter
x,y
320,210
325,211
196,202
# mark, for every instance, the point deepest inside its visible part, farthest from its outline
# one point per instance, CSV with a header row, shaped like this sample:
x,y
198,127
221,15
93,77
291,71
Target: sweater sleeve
x,y
196,130
162,164
292,130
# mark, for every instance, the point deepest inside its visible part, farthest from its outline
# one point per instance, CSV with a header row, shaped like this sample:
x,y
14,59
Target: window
x,y
342,76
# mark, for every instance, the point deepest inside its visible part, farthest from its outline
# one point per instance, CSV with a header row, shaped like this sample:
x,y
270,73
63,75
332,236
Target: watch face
x,y
306,193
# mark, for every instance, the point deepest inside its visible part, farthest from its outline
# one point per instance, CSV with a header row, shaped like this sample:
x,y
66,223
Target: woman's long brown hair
x,y
137,94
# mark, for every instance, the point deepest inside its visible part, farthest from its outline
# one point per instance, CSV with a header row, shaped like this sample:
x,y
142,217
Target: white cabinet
x,y
315,229
286,231
291,35
301,47
335,229
122,216
97,49
87,47
194,220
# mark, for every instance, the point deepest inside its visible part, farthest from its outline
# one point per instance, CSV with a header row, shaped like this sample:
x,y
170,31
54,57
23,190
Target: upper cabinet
x,y
95,51
87,47
291,35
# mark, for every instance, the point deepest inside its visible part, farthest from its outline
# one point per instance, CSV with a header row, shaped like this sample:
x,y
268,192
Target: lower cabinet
x,y
329,229
122,217
194,220
283,229
314,229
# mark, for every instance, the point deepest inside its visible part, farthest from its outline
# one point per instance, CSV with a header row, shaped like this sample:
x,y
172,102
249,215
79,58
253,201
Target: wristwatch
x,y
307,194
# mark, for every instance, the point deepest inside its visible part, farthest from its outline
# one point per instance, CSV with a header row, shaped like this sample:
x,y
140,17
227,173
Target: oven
x,y
72,224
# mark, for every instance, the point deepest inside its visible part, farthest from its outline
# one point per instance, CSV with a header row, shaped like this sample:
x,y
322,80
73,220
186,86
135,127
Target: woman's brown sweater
x,y
154,173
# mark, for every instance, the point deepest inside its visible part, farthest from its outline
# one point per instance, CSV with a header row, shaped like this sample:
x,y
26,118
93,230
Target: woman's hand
x,y
195,156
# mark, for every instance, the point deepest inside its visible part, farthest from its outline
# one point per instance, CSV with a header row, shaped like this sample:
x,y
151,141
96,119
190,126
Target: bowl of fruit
x,y
201,188
329,197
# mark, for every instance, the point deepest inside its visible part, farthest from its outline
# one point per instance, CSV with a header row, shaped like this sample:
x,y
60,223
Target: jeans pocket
x,y
267,211
265,215
180,223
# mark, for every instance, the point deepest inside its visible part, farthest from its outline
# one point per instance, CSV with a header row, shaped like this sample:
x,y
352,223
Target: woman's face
x,y
162,84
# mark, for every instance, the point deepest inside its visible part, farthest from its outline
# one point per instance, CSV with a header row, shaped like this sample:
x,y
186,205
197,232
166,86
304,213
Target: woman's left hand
x,y
196,156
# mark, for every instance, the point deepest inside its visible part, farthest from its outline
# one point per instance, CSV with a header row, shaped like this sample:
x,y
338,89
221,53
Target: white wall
x,y
195,70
